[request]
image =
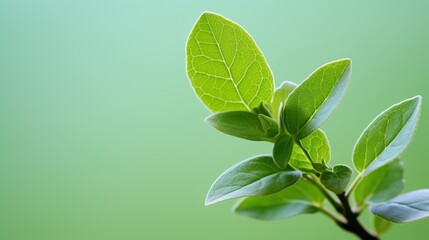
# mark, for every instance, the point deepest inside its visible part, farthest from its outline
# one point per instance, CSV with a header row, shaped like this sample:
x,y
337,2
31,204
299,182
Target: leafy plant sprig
x,y
232,78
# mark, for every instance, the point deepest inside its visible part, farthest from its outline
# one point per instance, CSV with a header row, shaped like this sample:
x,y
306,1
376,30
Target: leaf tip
x,y
209,200
207,13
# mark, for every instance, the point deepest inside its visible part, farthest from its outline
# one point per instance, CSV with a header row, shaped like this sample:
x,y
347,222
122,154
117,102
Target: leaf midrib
x,y
408,206
390,143
324,100
226,66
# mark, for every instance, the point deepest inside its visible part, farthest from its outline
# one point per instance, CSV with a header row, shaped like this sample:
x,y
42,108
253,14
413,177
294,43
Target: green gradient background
x,y
102,137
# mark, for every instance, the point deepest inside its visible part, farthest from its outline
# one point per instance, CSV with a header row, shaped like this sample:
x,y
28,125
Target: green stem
x,y
322,189
356,181
337,219
351,223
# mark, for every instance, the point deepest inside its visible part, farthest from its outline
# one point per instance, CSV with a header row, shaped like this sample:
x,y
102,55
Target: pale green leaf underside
x,y
407,207
256,176
387,136
311,103
317,146
381,185
303,197
226,68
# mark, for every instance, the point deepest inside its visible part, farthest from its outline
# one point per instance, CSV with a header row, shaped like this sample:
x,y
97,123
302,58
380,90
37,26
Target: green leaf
x,y
262,109
240,124
405,208
299,161
303,197
381,225
280,95
282,151
317,146
255,176
225,66
270,126
311,103
387,136
336,179
381,185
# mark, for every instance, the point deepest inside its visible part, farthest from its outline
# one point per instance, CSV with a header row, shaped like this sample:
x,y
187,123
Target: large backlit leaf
x,y
387,136
256,176
225,66
311,103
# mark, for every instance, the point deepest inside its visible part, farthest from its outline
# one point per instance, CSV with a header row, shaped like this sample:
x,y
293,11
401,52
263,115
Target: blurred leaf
x,y
303,197
239,124
336,179
387,136
282,151
405,208
381,225
255,176
311,103
381,185
225,66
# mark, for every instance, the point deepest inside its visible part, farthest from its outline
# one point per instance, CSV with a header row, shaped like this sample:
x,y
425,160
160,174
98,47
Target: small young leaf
x,y
262,109
225,66
405,208
257,176
302,197
282,151
381,185
387,136
299,160
239,124
317,146
270,126
381,225
280,95
336,180
311,103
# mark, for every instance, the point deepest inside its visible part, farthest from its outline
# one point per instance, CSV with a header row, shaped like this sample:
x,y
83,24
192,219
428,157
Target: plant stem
x,y
353,185
353,224
338,219
334,202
